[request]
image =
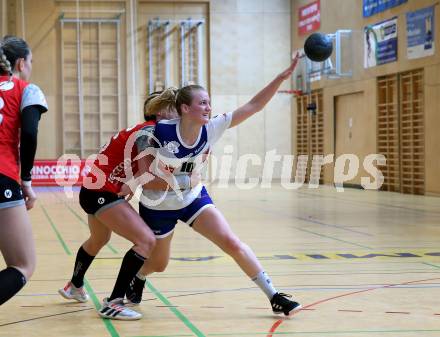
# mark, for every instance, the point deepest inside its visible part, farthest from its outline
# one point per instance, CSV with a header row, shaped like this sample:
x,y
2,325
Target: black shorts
x,y
93,202
10,192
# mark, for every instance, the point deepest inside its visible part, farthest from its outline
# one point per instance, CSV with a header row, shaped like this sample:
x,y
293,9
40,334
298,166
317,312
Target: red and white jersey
x,y
15,95
116,157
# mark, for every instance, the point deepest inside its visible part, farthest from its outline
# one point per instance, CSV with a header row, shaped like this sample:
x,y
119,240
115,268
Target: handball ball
x,y
318,47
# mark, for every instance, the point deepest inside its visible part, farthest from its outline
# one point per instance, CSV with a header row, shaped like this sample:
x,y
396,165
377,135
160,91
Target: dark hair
x,y
12,48
185,96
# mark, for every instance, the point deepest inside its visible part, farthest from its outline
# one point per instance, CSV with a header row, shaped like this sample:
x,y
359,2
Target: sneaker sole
x,y
291,313
63,294
121,318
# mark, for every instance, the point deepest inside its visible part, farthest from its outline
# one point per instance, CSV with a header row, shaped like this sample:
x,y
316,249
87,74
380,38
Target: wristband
x,y
26,183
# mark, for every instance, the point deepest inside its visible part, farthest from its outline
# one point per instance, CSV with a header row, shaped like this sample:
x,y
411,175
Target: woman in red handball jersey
x,y
100,197
21,106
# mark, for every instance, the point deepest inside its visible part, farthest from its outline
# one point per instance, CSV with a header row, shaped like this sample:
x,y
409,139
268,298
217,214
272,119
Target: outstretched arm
x,y
258,102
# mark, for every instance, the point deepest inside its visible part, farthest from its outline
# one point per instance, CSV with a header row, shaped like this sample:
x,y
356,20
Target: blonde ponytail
x,y
159,101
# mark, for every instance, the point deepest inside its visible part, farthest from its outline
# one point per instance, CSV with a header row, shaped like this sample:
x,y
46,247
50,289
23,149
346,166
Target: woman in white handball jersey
x,y
182,146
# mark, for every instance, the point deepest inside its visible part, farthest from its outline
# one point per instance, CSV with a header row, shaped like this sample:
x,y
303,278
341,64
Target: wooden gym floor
x,y
362,263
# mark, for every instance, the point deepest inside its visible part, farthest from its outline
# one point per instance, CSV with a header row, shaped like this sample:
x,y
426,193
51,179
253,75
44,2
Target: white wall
x,y
250,44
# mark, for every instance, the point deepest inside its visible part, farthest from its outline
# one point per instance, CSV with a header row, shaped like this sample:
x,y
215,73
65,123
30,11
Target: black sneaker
x,y
282,305
134,290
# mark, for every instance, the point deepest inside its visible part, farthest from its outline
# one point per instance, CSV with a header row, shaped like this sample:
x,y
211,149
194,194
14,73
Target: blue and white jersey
x,y
175,157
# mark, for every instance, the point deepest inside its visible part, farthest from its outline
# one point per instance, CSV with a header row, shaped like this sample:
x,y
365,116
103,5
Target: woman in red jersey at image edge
x,y
108,211
21,106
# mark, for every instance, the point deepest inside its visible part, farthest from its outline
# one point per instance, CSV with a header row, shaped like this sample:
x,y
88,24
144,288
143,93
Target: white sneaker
x,y
115,309
70,292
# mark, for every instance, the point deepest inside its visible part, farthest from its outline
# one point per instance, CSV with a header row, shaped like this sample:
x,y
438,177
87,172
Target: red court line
x,y
274,327
278,323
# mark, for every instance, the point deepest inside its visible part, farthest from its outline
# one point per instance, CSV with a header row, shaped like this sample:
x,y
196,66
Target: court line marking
x,y
319,222
108,324
47,316
301,332
147,300
57,233
68,304
109,246
178,314
277,212
303,191
175,311
376,205
329,237
432,265
316,303
349,294
367,290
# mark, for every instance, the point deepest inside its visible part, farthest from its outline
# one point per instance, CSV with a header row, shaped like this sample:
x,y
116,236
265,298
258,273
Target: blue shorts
x,y
162,223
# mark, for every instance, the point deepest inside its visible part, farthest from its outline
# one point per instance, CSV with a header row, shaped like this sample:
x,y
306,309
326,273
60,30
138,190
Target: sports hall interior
x,y
363,262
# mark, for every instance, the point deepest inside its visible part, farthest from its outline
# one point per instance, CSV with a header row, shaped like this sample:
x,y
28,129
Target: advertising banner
x,y
54,173
309,18
380,43
420,33
371,7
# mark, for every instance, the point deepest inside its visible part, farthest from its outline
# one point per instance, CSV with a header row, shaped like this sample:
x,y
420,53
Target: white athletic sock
x,y
141,276
265,284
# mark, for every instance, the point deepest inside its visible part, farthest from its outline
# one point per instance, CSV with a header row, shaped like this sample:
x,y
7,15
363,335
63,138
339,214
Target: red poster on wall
x,y
309,18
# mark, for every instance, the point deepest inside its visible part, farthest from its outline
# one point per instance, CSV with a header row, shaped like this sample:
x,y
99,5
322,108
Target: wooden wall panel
x,y
388,130
349,12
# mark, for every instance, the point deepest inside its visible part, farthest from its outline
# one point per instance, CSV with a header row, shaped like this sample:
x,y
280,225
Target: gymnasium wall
x,y
347,14
39,23
4,23
248,44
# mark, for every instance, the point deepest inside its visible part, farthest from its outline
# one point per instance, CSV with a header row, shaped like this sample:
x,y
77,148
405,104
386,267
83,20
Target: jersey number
x,y
2,104
187,167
